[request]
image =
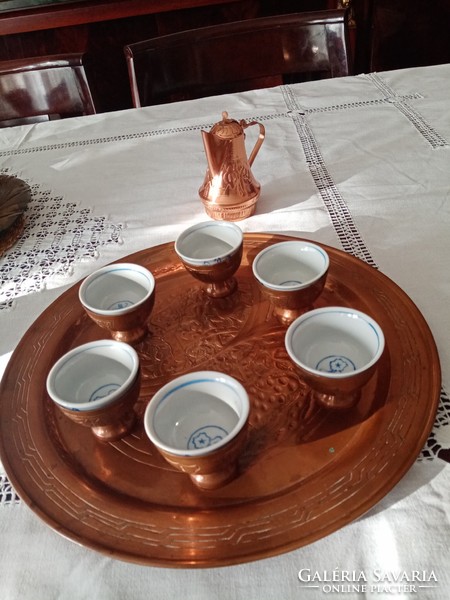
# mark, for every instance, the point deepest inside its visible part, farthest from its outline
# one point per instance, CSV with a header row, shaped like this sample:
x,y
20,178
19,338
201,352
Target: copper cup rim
x,y
116,312
175,385
293,287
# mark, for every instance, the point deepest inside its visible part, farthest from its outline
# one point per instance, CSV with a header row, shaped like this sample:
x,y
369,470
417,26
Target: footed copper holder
x,y
290,304
341,394
112,422
218,277
130,327
214,470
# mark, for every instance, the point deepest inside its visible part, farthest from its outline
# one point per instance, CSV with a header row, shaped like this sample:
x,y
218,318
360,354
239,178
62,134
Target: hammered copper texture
x,y
305,471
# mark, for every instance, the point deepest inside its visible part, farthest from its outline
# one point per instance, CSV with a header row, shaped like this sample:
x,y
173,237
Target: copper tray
x,y
305,473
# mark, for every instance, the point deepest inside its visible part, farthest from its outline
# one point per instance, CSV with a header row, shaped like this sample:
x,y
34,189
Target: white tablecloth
x,y
360,163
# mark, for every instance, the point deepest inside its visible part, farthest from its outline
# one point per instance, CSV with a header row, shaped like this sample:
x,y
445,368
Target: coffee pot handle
x,y
259,141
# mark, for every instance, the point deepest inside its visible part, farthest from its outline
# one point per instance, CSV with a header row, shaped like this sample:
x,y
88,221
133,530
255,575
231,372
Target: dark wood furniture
x,y
43,88
238,56
65,13
386,34
100,29
407,33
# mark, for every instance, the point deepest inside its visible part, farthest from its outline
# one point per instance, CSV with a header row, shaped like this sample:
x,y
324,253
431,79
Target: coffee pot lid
x,y
227,128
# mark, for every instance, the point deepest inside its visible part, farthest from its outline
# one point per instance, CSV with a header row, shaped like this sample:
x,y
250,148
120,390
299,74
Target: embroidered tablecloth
x,y
359,163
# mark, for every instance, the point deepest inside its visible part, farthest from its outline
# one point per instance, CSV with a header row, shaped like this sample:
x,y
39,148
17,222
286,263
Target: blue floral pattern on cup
x,y
336,364
103,391
206,436
119,304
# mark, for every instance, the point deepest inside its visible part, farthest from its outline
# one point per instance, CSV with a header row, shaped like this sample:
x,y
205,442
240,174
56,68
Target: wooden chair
x,y
43,88
239,56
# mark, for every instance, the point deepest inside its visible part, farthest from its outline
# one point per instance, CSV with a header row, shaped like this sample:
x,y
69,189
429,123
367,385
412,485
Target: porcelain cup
x,y
291,275
97,385
120,298
211,252
336,350
198,422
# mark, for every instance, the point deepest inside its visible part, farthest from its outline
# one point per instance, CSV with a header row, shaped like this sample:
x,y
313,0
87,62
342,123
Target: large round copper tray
x,y
305,472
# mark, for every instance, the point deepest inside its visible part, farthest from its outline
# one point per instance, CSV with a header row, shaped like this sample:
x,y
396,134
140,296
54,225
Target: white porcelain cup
x,y
336,350
211,252
96,385
291,275
208,243
119,298
198,422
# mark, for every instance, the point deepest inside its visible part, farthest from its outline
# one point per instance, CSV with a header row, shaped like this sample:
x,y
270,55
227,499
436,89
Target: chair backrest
x,y
239,56
43,88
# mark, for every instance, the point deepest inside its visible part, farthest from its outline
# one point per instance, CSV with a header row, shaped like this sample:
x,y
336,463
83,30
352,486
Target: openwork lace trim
x,y
104,140
7,493
57,235
402,103
388,96
414,117
438,443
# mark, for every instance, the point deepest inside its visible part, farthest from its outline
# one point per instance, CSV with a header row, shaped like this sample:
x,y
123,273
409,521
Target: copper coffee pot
x,y
229,191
